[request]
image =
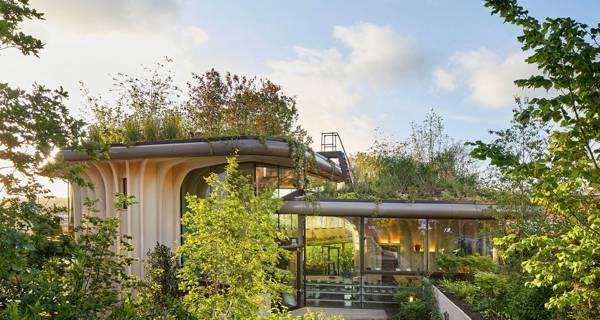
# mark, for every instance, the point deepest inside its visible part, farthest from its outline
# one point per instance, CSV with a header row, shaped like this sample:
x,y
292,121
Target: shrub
x,y
502,296
173,126
462,289
132,131
159,296
416,303
161,269
524,303
416,310
151,128
452,264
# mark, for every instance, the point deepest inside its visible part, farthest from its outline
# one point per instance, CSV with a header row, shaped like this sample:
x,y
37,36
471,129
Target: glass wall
x,y
393,249
332,272
461,237
288,224
347,266
394,244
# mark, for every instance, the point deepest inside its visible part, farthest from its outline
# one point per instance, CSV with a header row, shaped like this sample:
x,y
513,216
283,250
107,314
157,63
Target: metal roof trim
x,y
202,148
413,210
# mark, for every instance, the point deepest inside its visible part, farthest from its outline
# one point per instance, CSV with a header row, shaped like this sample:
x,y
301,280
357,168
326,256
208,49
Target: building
x,y
345,253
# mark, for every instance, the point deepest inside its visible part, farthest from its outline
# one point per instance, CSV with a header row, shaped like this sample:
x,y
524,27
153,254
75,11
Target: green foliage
x,y
12,14
563,253
231,250
150,108
429,165
462,289
159,296
526,303
147,108
87,278
45,273
30,235
452,264
502,296
236,105
416,303
161,268
36,124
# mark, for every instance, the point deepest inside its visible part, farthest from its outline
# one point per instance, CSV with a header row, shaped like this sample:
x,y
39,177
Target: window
x,y
462,237
394,244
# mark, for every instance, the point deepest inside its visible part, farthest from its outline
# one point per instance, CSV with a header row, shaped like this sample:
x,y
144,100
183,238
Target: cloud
x,y
444,79
197,35
90,41
378,53
488,76
330,83
109,15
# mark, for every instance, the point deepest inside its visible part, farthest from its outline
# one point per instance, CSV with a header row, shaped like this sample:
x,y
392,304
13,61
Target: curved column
x,y
98,192
142,213
167,197
107,181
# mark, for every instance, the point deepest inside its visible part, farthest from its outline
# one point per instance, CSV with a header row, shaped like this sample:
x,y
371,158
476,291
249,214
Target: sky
x,y
355,67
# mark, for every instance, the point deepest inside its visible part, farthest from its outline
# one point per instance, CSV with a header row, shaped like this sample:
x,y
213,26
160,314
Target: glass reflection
x,y
460,237
394,244
332,261
267,179
288,224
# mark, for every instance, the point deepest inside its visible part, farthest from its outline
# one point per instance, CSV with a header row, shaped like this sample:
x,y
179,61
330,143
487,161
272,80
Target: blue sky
x,y
353,66
253,32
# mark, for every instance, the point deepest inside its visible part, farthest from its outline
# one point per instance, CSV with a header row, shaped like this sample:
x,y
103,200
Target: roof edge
x,y
224,146
388,209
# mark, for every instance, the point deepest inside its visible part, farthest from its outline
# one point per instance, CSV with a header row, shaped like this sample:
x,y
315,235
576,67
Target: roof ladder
x,y
329,149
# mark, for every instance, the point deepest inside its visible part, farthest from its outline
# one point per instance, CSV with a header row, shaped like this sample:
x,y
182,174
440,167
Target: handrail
x,y
336,137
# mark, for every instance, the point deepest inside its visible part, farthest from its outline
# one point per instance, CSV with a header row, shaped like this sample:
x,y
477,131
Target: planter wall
x,y
447,308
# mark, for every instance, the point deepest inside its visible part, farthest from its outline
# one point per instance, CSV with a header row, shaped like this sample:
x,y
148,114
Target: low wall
x,y
447,308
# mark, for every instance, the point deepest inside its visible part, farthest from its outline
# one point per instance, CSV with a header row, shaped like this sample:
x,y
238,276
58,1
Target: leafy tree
x,y
33,125
43,271
88,279
13,13
237,105
566,181
231,250
526,141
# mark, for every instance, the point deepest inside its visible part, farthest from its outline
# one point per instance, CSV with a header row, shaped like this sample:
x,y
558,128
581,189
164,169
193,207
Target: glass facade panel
x,y
267,179
288,224
332,261
461,237
287,182
394,244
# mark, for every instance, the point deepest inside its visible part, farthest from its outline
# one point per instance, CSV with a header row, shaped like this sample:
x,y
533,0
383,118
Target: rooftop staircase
x,y
330,141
